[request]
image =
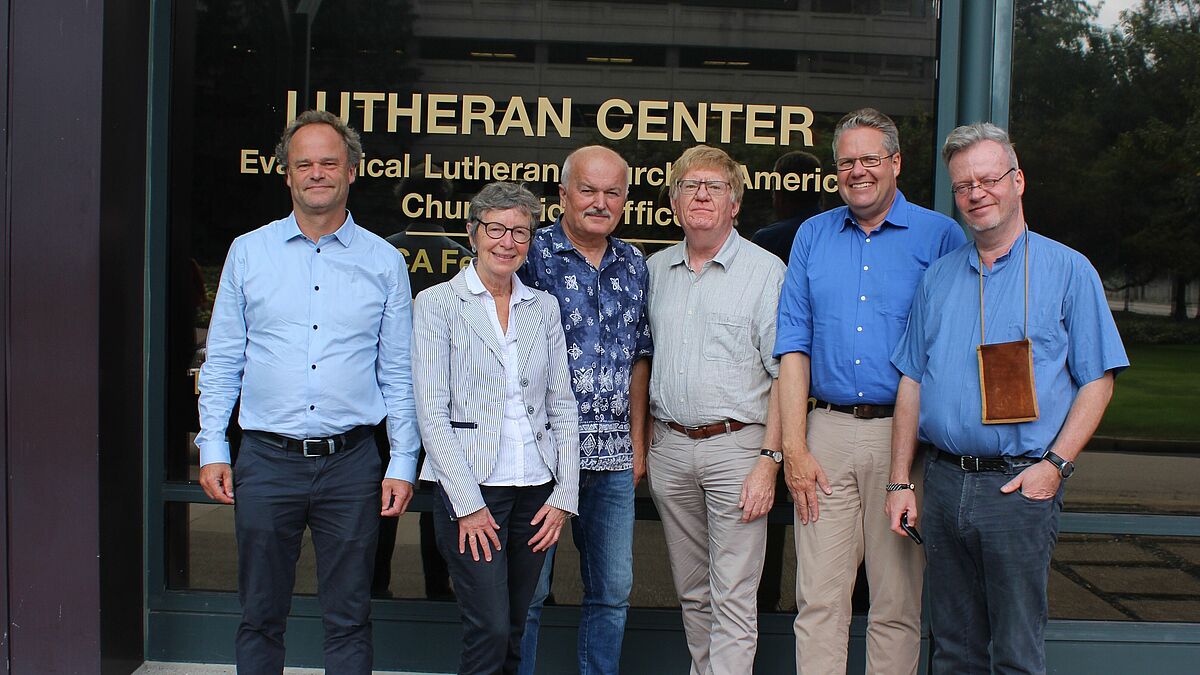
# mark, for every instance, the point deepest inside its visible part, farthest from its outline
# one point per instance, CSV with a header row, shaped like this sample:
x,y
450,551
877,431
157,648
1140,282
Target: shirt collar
x,y
290,229
724,256
561,243
897,215
520,292
1017,248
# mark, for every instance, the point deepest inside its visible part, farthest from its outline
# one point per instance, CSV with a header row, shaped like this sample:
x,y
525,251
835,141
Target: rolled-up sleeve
x,y
794,325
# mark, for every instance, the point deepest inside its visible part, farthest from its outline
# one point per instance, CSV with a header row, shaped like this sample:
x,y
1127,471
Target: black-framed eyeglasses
x,y
520,234
964,189
867,161
716,188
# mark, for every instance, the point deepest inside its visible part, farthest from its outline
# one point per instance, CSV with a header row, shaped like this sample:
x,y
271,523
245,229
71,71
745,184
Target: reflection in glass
x,y
1129,188
202,555
1125,578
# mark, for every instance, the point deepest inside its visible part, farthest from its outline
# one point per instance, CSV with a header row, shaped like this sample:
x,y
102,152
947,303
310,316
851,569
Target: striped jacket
x,y
458,380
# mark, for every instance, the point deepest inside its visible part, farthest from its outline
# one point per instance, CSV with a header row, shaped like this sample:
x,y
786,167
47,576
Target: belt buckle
x,y
962,463
327,443
865,411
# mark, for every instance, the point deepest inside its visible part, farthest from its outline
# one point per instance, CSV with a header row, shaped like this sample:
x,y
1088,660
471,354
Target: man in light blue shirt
x,y
311,328
993,491
845,300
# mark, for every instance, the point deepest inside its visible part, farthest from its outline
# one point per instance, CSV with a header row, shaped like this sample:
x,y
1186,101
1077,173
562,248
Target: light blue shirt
x,y
1075,341
847,293
315,338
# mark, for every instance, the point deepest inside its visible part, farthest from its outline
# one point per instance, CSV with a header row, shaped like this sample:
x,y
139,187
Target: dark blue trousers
x,y
277,494
493,597
988,556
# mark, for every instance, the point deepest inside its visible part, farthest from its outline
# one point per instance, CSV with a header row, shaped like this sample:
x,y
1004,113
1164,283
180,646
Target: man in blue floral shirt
x,y
600,282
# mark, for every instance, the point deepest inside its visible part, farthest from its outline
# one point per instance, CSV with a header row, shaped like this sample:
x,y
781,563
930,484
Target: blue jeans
x,y
603,534
988,558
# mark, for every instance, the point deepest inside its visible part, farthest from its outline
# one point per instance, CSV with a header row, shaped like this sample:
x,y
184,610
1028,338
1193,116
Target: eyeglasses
x,y
520,235
716,188
867,161
964,189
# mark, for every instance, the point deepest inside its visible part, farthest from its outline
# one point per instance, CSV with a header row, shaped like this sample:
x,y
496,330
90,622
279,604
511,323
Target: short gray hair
x,y
349,136
502,196
869,118
969,134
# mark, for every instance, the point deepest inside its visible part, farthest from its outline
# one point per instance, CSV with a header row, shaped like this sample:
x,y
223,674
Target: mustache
x,y
603,213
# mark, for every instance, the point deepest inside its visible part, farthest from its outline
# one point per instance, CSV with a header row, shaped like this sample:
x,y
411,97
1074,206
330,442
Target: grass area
x,y
1158,396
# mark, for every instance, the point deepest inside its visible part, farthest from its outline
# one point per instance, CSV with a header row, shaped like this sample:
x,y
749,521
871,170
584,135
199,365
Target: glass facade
x,y
451,94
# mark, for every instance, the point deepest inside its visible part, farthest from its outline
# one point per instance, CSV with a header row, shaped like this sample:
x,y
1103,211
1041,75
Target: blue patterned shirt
x,y
604,319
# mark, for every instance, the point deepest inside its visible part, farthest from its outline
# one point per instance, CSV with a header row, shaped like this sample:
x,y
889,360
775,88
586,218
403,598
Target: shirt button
x,y
314,366
312,407
860,394
316,288
314,326
857,362
524,382
866,267
863,298
539,435
318,250
529,410
868,240
860,329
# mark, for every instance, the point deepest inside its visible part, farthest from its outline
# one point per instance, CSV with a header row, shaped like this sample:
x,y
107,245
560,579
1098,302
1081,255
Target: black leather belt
x,y
707,430
866,411
976,464
315,447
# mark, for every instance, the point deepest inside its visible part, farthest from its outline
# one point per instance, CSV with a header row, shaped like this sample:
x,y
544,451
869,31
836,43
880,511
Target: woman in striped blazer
x,y
499,423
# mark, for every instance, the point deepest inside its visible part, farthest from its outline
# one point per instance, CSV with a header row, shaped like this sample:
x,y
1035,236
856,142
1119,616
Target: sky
x,y
1111,10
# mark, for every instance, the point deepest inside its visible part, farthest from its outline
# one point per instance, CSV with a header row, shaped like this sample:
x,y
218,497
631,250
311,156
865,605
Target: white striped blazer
x,y
458,380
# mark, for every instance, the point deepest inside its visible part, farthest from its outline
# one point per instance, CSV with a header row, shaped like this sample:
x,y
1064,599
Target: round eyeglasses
x,y
520,234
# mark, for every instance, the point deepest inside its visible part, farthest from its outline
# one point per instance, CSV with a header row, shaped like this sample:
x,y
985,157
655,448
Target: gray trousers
x,y
716,559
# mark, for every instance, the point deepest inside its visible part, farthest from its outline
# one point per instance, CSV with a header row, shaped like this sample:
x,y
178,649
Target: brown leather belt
x,y
867,411
708,430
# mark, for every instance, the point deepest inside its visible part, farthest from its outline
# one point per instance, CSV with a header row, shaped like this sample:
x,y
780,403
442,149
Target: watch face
x,y
1067,469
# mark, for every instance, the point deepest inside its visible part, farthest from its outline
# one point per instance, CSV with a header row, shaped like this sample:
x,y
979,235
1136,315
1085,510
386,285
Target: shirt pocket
x,y
727,338
899,290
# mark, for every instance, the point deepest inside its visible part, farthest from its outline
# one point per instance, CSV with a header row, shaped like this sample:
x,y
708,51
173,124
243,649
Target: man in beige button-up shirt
x,y
714,454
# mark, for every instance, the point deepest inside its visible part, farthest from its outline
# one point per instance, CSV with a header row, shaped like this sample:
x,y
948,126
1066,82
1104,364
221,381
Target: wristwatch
x,y
1065,468
896,487
773,454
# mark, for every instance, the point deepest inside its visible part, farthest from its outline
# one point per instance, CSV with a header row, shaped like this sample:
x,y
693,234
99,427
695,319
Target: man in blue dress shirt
x,y
311,327
844,304
600,282
993,492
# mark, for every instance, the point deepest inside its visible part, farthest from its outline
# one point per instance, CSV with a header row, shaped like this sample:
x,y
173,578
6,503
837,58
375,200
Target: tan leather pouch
x,y
1006,382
